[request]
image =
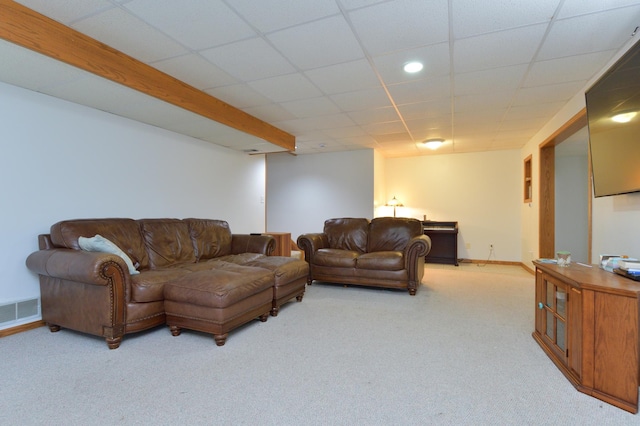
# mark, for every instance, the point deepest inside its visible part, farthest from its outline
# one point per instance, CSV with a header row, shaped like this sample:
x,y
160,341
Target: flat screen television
x,y
613,116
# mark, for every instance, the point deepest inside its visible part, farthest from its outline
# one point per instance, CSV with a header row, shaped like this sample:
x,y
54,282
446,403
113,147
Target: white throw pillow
x,y
101,244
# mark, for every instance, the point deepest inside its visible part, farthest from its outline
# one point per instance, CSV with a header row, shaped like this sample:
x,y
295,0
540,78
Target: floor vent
x,y
17,311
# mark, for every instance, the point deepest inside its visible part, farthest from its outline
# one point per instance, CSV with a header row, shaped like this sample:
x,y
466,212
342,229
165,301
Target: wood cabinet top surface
x,y
593,278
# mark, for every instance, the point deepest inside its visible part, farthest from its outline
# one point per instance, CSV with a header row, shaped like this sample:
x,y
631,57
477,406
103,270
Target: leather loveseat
x,y
102,294
384,252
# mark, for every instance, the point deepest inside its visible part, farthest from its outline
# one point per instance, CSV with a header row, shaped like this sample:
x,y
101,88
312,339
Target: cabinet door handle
x,y
540,305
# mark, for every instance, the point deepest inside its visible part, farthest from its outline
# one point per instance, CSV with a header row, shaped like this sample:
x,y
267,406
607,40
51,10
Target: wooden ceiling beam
x,y
29,29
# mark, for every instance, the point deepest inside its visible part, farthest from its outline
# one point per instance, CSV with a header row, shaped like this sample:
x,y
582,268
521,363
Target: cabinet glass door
x,y
556,312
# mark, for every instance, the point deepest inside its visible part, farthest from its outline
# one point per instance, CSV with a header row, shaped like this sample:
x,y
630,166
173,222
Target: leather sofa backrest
x,y
348,233
392,233
125,233
211,238
167,241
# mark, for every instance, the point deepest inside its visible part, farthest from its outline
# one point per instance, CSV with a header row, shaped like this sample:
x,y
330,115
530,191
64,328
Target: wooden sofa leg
x,y
299,297
220,338
275,310
113,342
54,328
412,291
175,330
264,317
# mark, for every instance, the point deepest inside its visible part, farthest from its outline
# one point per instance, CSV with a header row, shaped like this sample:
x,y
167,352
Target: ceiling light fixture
x,y
413,67
624,117
433,143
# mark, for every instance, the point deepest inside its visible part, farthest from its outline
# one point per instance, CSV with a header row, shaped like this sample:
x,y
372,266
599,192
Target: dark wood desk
x,y
444,241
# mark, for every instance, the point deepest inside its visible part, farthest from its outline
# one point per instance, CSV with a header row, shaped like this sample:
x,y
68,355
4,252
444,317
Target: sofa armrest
x,y
83,291
246,243
77,265
418,247
311,243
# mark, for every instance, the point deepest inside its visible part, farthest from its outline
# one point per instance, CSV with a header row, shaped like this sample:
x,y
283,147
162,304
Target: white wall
x,y
303,191
63,161
616,226
572,206
614,219
481,191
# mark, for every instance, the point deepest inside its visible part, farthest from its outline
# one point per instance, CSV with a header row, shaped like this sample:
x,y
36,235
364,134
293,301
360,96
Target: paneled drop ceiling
x,y
330,72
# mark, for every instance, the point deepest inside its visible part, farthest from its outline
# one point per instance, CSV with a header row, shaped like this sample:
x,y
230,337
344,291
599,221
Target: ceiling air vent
x,y
250,151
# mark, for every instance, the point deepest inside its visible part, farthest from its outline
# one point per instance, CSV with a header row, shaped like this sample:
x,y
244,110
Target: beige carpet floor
x,y
458,353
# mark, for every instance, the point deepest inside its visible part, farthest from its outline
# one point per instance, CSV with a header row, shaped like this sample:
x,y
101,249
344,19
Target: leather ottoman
x,y
218,300
291,276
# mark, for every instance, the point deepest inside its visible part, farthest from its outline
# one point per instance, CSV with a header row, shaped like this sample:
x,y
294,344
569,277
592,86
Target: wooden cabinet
x,y
444,241
587,322
283,243
528,187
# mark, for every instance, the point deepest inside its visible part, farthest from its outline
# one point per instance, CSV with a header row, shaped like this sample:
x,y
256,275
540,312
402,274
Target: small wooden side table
x,y
283,243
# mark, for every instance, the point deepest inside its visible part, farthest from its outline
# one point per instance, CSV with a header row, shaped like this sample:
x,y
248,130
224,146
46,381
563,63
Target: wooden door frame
x,y
546,223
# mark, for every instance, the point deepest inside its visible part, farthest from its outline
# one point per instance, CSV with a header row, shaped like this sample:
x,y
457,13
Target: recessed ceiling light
x,y
413,67
433,143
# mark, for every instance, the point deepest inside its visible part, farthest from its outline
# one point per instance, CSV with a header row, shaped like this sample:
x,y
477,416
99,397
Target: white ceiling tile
x,y
69,10
317,44
345,132
271,15
248,60
114,27
376,115
285,88
550,93
356,4
473,17
433,108
362,99
496,50
387,128
401,24
485,81
270,112
311,107
562,40
545,110
314,52
195,71
497,100
570,68
580,7
435,58
421,90
239,95
345,77
198,24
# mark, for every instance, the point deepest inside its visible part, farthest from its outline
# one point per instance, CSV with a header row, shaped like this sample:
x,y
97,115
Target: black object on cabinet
x,y
444,241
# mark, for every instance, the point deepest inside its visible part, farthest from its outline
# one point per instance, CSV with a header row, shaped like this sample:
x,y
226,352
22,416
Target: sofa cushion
x,y
210,238
219,288
100,244
336,258
392,234
125,233
168,242
149,285
347,233
381,260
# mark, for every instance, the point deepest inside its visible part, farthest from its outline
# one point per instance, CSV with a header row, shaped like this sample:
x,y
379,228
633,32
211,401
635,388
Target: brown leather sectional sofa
x,y
191,273
384,252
